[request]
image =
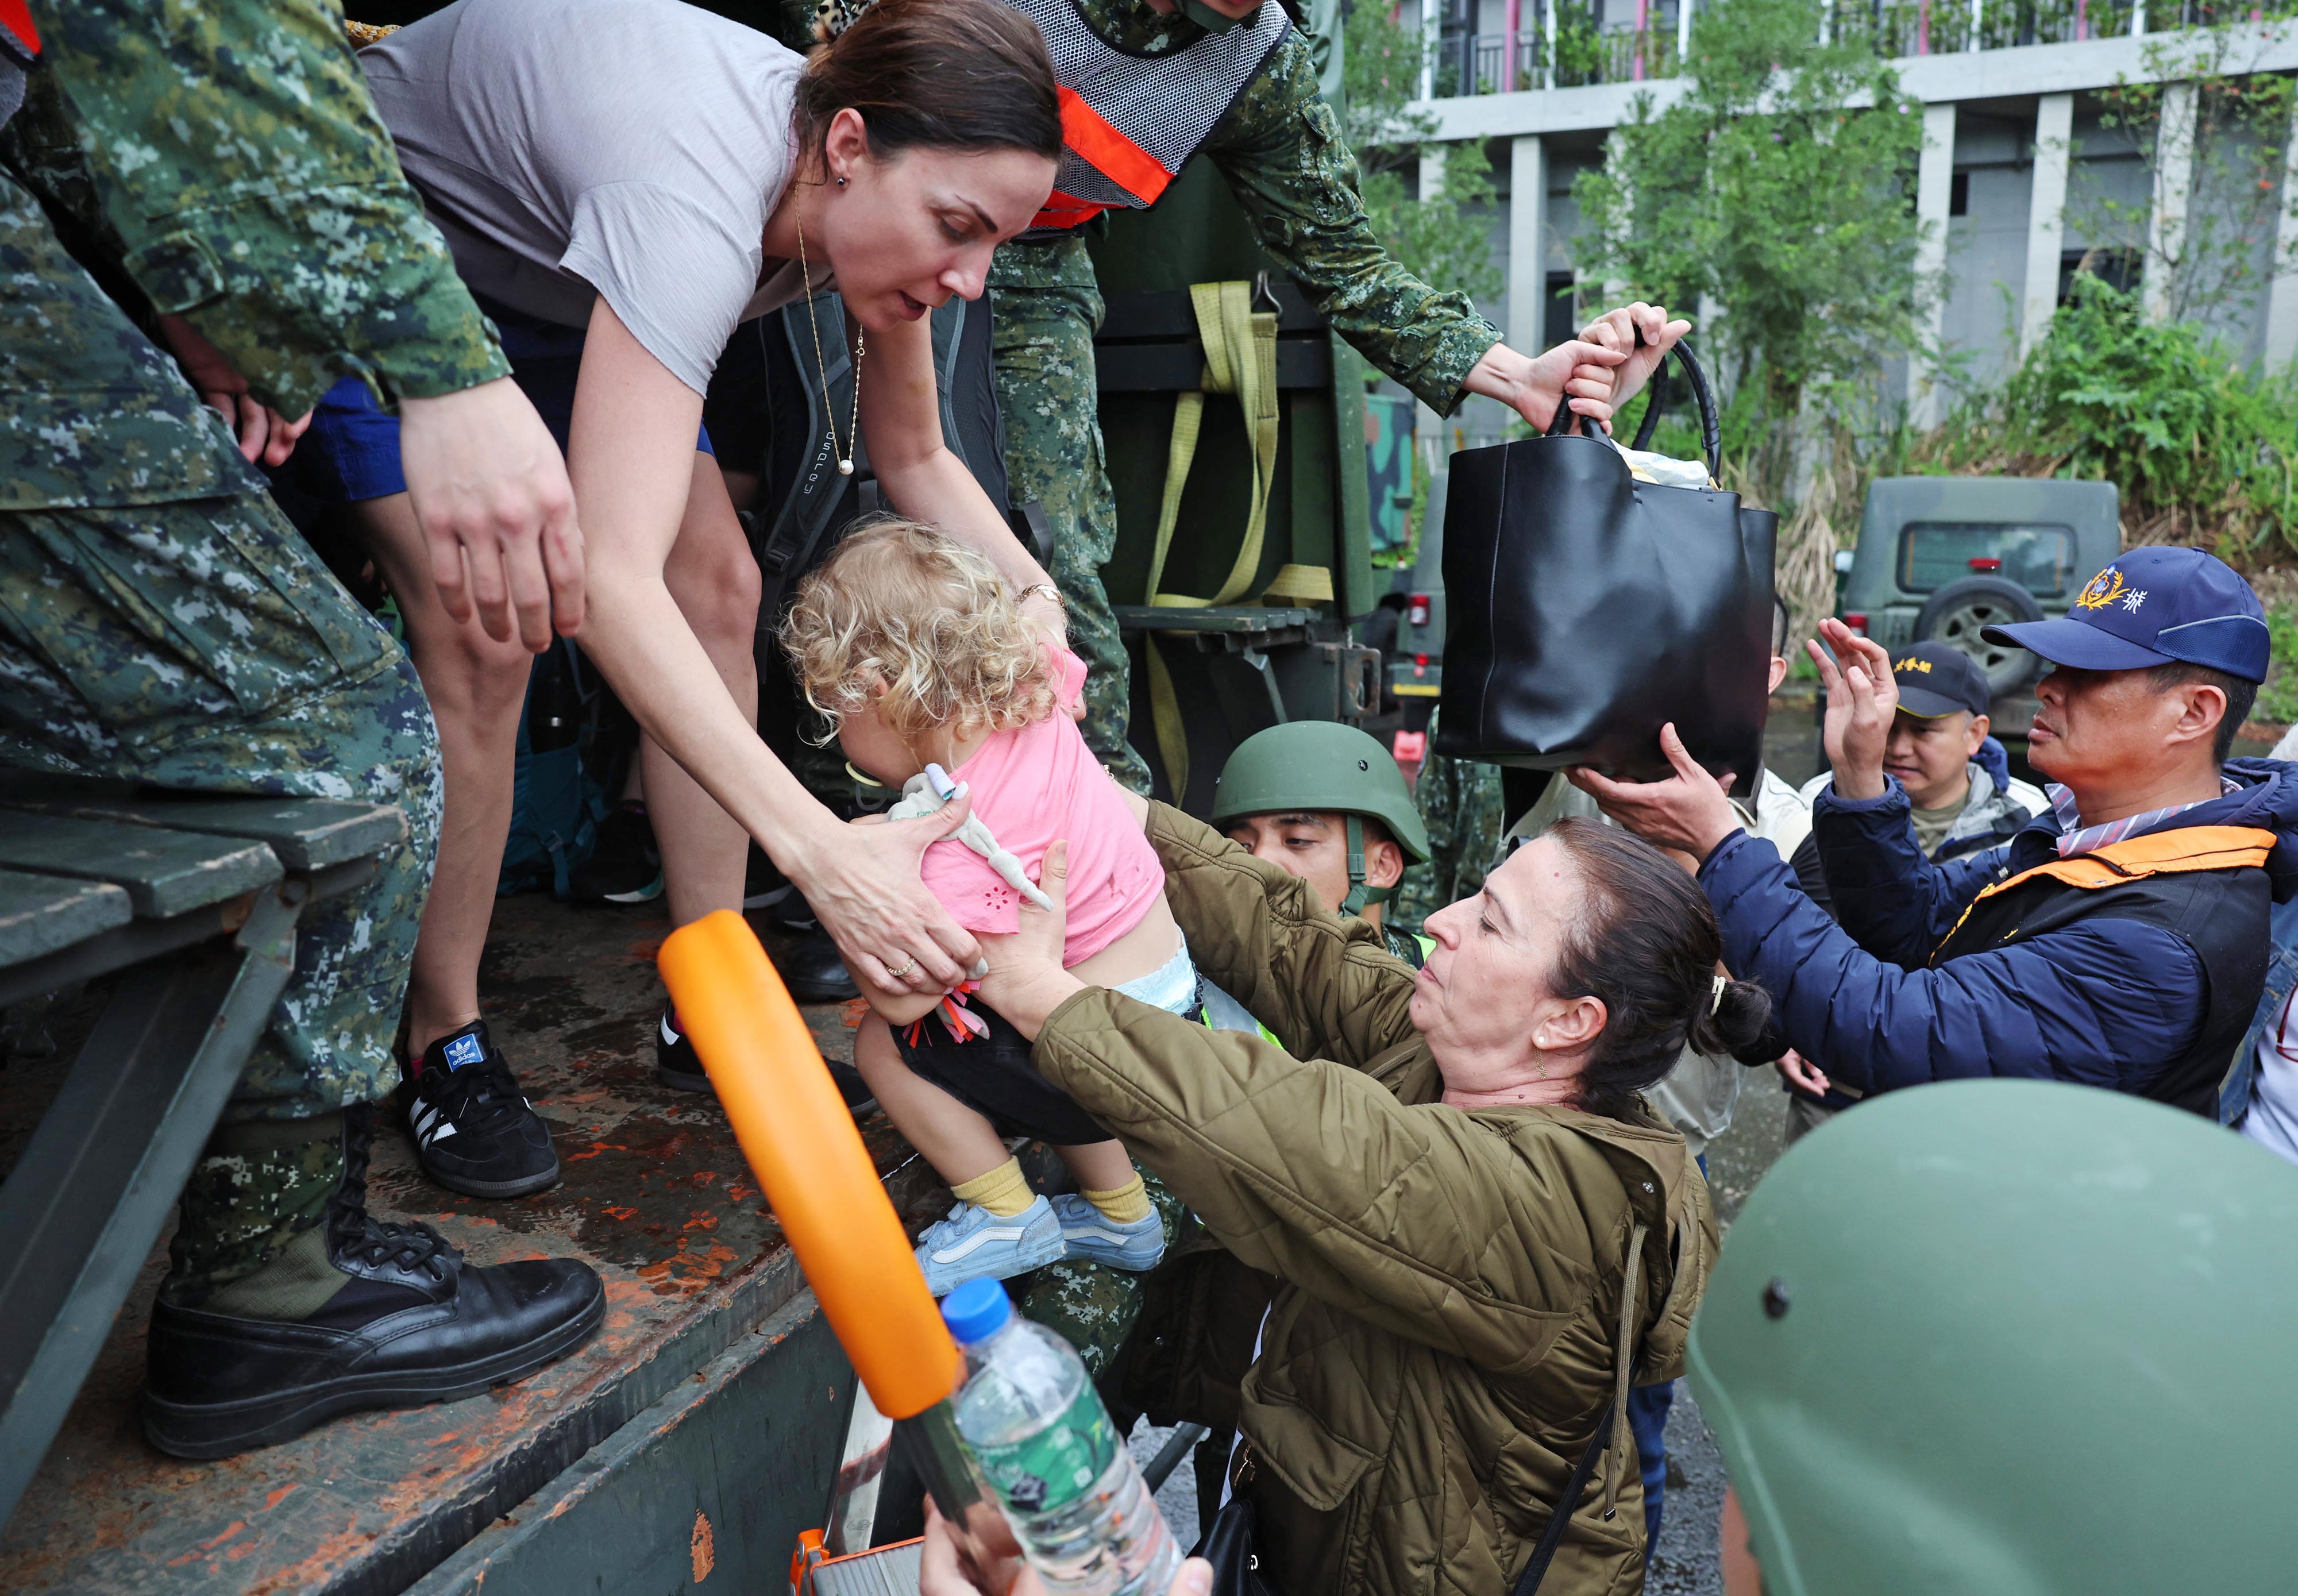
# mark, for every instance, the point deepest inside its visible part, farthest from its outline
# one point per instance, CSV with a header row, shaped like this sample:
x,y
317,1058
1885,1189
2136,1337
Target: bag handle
x,y
1567,1500
1711,426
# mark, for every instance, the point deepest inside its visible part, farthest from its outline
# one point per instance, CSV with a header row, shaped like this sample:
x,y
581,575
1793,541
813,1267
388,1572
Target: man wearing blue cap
x,y
2119,940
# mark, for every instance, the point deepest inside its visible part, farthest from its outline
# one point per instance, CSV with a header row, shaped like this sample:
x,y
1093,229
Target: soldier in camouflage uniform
x,y
1280,150
160,621
1459,802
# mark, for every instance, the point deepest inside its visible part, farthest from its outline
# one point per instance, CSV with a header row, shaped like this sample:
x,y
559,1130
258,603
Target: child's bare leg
x,y
1098,1166
959,1144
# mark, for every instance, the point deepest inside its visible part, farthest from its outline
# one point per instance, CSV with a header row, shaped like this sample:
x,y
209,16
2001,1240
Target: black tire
x,y
1958,612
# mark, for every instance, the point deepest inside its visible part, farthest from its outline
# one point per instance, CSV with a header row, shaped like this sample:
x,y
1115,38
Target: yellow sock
x,y
1127,1205
1002,1191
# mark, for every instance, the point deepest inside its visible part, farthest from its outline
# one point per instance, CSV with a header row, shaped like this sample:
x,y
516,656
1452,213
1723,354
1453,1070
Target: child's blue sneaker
x,y
1092,1234
974,1243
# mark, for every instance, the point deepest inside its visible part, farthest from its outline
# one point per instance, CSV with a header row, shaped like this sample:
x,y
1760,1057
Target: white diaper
x,y
1172,986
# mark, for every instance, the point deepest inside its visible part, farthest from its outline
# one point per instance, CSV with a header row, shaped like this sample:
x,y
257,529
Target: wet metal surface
x,y
655,1195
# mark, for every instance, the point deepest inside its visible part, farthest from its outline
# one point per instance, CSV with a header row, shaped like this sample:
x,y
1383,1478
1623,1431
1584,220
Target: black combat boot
x,y
400,1319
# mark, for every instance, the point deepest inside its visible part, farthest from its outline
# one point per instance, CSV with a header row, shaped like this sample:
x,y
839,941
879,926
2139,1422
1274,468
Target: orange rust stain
x,y
620,1213
701,1222
706,1554
596,1149
857,1010
323,1565
272,1499
229,1530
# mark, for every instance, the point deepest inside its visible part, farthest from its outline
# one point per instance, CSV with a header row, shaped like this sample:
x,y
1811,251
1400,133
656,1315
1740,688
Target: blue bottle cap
x,y
976,1310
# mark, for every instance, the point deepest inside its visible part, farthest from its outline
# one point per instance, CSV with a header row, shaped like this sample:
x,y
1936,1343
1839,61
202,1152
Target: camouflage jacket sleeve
x,y
1280,149
255,191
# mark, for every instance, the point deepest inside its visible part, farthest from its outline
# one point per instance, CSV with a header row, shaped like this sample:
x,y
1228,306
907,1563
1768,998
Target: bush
x,y
2202,451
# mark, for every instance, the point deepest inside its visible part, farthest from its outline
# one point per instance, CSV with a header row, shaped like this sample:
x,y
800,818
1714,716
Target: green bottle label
x,y
1057,1465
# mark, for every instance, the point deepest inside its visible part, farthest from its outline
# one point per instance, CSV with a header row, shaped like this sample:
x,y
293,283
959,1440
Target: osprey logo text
x,y
2104,589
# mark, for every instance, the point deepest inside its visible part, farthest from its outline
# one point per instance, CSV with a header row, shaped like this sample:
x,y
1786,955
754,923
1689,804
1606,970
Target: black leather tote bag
x,y
1587,610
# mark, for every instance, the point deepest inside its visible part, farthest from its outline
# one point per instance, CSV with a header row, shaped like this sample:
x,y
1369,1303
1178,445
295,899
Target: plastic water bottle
x,y
1045,1447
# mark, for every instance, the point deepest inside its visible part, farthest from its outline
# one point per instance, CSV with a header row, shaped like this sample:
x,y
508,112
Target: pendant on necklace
x,y
846,467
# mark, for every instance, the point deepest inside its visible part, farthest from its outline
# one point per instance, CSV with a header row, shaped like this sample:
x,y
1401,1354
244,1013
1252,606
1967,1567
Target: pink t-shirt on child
x,y
1035,785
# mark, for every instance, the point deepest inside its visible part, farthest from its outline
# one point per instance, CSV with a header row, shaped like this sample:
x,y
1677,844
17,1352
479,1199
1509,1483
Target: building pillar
x,y
2282,289
1432,36
2174,182
1934,191
1427,427
2046,218
1527,280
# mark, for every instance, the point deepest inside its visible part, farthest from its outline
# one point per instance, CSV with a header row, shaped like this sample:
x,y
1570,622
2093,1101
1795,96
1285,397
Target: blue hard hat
x,y
2155,606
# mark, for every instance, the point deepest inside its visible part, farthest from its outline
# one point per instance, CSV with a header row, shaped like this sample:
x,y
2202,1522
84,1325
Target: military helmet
x,y
2010,1337
1323,765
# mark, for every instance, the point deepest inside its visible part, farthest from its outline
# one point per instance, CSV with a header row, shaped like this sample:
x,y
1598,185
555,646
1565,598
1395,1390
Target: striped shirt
x,y
2075,838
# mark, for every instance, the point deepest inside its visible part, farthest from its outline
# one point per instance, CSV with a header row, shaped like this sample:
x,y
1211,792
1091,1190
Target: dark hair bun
x,y
1734,1021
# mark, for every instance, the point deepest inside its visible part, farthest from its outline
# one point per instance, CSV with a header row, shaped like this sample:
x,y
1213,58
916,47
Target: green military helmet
x,y
1323,765
2004,1338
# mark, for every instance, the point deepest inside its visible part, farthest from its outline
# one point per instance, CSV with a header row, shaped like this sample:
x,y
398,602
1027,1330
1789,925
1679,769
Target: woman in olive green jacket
x,y
1451,1177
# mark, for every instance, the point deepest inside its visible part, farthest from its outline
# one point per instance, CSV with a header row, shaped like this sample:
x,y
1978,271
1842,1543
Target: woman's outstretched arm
x,y
631,457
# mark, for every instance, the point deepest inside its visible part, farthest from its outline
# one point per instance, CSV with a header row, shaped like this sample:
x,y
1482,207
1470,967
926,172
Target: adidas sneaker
x,y
474,1131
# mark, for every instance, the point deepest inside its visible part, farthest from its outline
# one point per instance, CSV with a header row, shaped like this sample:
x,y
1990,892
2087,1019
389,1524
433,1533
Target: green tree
x,y
1442,240
1779,187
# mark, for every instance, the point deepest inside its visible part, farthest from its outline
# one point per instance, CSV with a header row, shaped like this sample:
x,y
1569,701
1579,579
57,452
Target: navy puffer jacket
x,y
2106,1002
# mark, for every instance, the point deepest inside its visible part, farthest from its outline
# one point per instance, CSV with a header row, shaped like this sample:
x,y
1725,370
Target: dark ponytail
x,y
945,74
1645,944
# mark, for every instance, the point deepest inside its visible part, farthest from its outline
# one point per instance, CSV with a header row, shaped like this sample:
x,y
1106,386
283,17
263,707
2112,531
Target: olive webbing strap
x,y
1240,358
1567,1500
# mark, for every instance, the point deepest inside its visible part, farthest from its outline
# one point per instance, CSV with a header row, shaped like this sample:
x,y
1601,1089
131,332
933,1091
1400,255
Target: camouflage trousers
x,y
1091,1307
1045,308
195,642
1460,803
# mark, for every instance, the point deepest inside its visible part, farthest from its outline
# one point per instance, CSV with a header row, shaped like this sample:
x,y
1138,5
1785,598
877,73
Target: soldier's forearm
x,y
254,190
1286,162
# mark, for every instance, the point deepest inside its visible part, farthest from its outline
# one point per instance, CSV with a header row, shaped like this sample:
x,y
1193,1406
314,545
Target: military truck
x,y
1940,558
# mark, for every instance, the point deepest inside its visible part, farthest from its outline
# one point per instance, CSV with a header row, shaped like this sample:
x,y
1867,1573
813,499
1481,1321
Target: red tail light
x,y
1985,562
1415,610
1857,624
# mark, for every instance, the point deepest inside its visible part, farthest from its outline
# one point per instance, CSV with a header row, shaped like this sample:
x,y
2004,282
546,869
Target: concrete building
x,y
2017,176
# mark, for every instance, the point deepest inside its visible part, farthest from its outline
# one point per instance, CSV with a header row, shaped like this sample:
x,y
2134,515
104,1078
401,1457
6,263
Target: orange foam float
x,y
801,1143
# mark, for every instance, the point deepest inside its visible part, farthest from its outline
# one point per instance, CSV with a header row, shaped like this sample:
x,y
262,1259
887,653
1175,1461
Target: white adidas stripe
x,y
670,1039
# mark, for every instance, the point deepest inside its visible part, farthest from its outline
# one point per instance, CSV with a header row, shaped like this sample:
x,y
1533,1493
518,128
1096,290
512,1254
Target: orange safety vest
x,y
2173,852
1129,122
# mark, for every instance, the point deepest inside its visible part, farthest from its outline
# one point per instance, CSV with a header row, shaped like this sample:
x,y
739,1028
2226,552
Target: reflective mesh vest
x,y
1129,122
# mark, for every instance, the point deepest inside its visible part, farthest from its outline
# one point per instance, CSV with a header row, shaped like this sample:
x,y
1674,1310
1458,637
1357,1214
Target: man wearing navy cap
x,y
2119,940
1961,797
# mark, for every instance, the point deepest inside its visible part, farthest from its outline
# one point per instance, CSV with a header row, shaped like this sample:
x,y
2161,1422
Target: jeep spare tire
x,y
1957,614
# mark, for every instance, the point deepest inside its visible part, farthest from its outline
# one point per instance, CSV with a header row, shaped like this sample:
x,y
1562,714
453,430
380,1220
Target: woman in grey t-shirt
x,y
621,182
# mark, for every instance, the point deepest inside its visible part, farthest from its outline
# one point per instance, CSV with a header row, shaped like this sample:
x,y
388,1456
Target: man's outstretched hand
x,y
1862,699
1691,812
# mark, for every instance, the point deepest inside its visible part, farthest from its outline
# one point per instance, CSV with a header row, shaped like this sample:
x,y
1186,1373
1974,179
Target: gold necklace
x,y
861,340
